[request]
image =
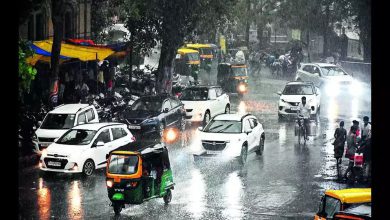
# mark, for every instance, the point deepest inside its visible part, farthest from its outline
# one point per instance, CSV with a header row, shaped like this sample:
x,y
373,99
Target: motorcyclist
x,y
304,111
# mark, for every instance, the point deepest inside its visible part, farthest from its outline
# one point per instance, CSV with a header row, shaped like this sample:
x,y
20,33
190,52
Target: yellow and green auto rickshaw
x,y
205,52
233,78
339,200
136,176
187,62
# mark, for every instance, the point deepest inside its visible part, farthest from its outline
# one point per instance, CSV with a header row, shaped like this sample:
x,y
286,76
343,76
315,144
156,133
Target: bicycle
x,y
301,129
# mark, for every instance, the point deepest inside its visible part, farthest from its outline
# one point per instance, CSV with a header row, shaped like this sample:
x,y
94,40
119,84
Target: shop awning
x,y
83,53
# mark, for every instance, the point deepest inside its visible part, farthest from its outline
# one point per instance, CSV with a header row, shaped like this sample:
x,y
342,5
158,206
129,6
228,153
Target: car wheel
x,y
244,154
117,208
168,197
88,168
227,109
182,124
260,149
206,118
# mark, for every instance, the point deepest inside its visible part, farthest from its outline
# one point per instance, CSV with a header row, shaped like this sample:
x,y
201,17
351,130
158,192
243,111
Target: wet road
x,y
286,182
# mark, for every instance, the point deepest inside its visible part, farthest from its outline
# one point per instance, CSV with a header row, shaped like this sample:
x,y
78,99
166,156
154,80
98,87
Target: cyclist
x,y
304,111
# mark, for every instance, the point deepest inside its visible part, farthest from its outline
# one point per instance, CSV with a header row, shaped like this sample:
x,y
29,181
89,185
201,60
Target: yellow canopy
x,y
354,195
36,57
83,53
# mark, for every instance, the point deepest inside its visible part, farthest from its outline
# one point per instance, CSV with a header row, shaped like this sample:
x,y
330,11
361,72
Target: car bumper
x,y
287,112
60,170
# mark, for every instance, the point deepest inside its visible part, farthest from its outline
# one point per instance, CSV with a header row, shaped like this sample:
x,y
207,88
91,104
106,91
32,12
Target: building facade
x,y
77,22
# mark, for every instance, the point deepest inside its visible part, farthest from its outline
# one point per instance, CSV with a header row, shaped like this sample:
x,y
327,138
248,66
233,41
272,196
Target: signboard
x,y
296,34
222,43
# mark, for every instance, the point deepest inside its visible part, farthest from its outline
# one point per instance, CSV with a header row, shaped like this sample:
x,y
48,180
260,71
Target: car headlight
x,y
44,152
109,183
149,121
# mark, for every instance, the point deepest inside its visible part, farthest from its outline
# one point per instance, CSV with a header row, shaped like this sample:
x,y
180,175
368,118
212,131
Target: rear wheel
x,y
244,154
260,148
168,197
117,208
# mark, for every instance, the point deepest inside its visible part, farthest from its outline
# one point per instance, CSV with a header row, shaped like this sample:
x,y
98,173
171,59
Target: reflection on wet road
x,y
285,182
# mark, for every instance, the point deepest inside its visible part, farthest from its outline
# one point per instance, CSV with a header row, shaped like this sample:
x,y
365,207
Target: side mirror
x,y
312,108
279,93
200,128
55,140
100,144
81,122
166,110
248,131
39,123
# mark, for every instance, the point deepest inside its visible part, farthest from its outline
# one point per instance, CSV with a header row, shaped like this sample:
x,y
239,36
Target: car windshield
x,y
123,164
194,94
58,121
239,71
298,90
141,104
206,51
333,71
332,206
192,57
218,126
77,137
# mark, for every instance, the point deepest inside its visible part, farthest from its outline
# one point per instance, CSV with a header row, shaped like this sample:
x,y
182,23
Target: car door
x,y
257,129
81,119
99,153
250,135
213,102
221,101
306,72
120,137
90,115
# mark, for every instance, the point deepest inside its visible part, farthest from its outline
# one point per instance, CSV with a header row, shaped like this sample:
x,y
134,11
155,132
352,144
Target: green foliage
x,y
26,72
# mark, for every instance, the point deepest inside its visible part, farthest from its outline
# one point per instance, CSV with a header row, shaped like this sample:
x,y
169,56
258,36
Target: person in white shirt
x,y
304,111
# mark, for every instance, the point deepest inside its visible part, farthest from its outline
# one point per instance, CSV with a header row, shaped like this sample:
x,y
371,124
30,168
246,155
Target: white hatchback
x,y
292,95
83,148
204,102
230,136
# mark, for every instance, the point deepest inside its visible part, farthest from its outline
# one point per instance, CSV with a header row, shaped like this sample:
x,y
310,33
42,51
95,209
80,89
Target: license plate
x,y
213,152
134,127
294,108
54,164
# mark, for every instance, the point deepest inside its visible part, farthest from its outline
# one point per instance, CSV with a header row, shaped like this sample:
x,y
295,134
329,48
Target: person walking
x,y
340,136
352,140
366,145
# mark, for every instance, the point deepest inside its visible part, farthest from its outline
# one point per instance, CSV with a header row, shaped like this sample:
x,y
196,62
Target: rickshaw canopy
x,y
186,51
197,46
354,195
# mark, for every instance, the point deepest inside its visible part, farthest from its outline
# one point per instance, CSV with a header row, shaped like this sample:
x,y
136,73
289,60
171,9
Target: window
x,y
175,103
81,119
247,125
332,205
58,121
194,94
90,114
298,90
316,70
118,133
219,92
123,164
104,136
77,137
308,69
253,122
166,105
216,126
212,94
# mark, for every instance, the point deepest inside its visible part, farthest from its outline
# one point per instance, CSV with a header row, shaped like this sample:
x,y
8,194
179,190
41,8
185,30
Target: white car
x,y
328,76
292,95
230,136
204,102
83,149
62,118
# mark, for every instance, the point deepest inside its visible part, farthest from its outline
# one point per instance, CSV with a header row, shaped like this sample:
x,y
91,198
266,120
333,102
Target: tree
x,y
26,7
26,72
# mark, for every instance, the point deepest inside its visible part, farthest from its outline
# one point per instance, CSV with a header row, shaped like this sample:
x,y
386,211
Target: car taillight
x,y
109,183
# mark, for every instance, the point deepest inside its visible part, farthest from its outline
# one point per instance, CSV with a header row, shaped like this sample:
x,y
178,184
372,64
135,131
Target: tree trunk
x,y
308,45
165,69
248,23
326,37
260,29
58,27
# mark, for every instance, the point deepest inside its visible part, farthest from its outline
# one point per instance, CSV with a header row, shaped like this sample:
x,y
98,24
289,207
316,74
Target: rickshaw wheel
x,y
168,197
117,208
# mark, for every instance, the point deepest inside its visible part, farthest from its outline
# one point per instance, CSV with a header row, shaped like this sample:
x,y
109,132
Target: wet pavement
x,y
286,182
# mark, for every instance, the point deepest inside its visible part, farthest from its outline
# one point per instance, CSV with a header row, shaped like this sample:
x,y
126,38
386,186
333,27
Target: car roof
x,y
96,126
354,195
69,108
203,86
320,64
300,83
230,117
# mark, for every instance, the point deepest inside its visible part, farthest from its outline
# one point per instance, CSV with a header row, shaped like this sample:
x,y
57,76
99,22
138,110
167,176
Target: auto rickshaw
x,y
339,200
361,212
233,78
187,62
205,52
136,176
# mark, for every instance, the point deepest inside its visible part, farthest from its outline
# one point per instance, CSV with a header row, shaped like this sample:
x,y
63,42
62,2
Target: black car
x,y
150,115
